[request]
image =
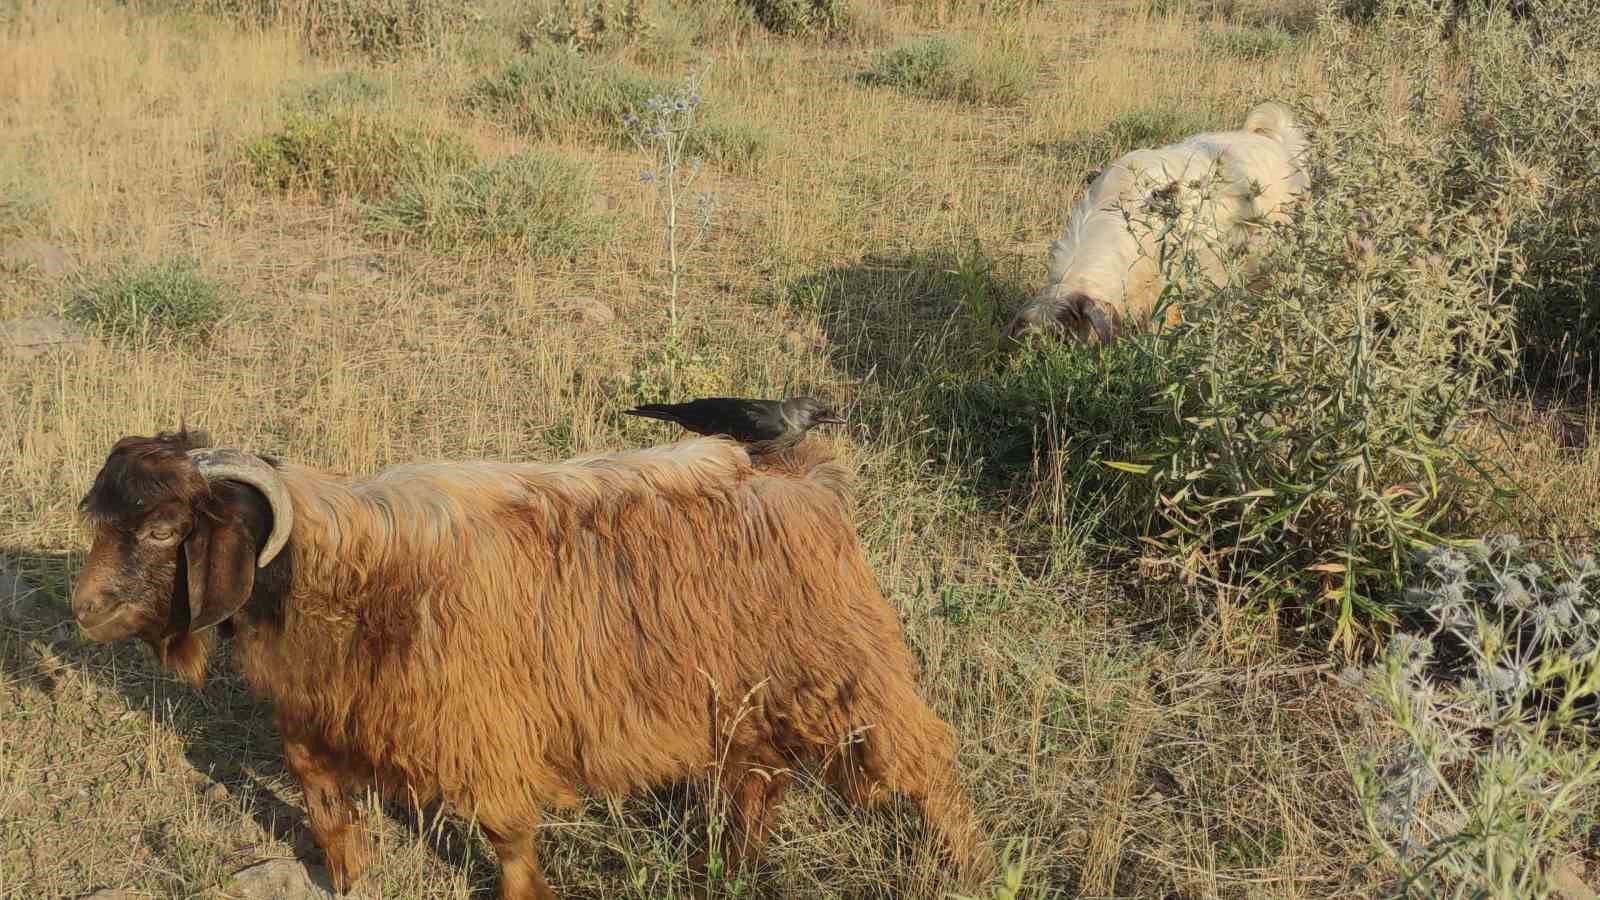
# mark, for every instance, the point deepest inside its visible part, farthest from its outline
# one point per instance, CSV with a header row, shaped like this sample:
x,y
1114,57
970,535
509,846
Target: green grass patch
x,y
534,203
23,197
340,90
550,91
947,68
1156,127
376,28
347,153
166,299
1249,41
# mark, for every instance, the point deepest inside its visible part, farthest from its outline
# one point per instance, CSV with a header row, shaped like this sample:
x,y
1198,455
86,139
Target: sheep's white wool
x,y
1103,268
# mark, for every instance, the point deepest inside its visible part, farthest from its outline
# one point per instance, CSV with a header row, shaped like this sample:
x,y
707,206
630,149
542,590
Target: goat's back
x,y
575,625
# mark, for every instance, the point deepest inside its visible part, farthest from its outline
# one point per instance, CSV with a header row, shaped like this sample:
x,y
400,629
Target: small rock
x,y
949,201
278,879
46,259
362,268
587,310
25,338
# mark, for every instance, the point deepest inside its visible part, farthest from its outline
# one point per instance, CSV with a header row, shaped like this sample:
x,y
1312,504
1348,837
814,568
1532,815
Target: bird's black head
x,y
808,411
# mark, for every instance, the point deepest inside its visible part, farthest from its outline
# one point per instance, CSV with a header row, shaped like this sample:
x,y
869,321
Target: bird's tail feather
x,y
652,411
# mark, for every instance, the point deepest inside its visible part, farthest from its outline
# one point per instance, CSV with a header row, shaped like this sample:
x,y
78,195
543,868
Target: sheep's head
x,y
1078,315
177,528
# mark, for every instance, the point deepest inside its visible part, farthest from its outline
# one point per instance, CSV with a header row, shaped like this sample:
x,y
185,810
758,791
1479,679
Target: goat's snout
x,y
94,608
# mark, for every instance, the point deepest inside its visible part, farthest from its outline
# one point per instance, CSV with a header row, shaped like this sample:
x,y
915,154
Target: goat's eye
x,y
160,534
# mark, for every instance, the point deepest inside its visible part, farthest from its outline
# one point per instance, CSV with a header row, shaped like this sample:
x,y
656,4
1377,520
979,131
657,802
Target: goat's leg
x,y
521,877
755,792
333,818
911,755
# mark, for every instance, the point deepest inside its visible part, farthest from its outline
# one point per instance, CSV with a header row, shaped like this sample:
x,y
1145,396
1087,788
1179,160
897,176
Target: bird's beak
x,y
829,419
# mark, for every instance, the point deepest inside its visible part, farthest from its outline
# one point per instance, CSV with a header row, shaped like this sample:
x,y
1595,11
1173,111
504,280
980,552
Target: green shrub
x,y
349,153
549,90
533,203
948,68
382,28
170,298
1249,42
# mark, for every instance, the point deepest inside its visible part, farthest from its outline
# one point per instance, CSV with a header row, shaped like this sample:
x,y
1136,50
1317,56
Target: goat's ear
x,y
221,555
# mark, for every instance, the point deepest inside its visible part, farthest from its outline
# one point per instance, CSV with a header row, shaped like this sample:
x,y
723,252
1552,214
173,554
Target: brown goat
x,y
506,637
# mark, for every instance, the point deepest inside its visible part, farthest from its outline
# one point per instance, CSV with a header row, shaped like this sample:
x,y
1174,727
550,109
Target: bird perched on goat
x,y
1214,188
767,426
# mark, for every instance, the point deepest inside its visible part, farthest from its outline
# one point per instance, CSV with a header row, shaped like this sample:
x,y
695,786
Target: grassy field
x,y
357,260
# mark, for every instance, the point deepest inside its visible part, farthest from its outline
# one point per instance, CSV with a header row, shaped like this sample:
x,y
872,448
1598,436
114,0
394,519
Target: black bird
x,y
766,426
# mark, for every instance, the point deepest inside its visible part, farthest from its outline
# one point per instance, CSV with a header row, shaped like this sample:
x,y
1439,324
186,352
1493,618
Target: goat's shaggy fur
x,y
508,637
1104,269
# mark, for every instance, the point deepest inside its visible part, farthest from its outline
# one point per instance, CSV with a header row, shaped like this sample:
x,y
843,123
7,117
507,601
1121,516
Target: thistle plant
x,y
665,131
1492,760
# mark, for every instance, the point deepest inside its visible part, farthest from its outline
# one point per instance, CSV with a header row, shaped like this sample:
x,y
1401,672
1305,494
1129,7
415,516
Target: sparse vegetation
x,y
168,299
533,203
424,235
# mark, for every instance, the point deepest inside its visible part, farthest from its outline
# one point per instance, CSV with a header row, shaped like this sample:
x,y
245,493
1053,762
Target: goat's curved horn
x,y
232,465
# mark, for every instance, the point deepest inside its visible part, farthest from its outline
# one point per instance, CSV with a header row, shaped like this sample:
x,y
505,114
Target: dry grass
x,y
1137,748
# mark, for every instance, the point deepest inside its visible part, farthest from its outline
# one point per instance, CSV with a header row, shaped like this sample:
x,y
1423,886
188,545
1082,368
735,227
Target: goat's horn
x,y
232,465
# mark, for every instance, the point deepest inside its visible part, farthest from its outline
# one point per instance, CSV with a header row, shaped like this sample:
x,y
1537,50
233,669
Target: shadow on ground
x,y
903,320
227,734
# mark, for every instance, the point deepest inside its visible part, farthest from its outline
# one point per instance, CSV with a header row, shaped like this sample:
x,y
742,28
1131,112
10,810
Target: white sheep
x,y
1104,269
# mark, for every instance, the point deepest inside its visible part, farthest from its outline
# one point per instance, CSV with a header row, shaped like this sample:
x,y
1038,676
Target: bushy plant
x,y
591,25
167,299
948,68
1525,148
347,152
1491,760
533,203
